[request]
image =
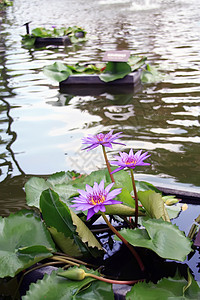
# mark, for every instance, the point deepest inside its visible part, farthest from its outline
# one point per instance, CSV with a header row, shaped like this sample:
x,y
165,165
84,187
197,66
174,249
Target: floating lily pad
x,y
24,241
166,289
115,70
55,287
161,237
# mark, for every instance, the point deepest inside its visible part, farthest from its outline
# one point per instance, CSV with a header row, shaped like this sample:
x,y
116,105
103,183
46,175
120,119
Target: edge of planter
x,y
92,84
64,40
186,196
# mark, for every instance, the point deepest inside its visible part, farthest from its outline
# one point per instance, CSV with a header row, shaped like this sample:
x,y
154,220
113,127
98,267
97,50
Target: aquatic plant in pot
x,y
110,72
55,35
64,228
5,3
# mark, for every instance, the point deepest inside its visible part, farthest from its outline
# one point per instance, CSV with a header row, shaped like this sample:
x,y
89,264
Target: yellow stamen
x,y
97,200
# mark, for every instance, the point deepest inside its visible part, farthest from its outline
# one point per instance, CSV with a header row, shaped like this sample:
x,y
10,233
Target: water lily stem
x,y
130,247
112,280
65,256
64,260
136,198
107,164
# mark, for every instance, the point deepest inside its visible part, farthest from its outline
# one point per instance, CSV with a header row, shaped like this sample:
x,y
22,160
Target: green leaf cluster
x,y
59,71
107,72
55,287
166,289
4,3
24,241
151,75
27,239
66,187
160,236
42,32
51,196
68,231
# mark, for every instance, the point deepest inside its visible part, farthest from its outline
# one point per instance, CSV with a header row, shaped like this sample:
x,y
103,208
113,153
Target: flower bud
x,y
170,200
73,274
184,206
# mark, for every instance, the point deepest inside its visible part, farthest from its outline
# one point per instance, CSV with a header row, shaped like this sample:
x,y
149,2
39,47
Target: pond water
x,y
41,128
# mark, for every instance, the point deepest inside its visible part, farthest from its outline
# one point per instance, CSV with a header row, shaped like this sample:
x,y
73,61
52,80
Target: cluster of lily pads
x,y
57,228
4,3
107,72
72,32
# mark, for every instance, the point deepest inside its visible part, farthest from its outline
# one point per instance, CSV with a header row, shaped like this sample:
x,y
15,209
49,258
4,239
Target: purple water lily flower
x,y
130,160
95,198
105,140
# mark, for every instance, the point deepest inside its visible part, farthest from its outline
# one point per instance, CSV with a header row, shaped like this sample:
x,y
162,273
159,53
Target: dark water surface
x,y
41,129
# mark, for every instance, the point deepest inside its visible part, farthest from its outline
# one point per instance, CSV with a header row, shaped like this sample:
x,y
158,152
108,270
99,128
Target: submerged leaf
x,y
151,75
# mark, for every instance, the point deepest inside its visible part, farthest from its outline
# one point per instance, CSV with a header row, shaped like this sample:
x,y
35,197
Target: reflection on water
x,y
41,128
145,4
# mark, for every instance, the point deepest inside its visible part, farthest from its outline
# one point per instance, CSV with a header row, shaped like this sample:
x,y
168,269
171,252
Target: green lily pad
x,y
173,210
34,188
166,289
161,237
151,75
145,186
115,70
136,62
24,241
60,182
57,71
53,287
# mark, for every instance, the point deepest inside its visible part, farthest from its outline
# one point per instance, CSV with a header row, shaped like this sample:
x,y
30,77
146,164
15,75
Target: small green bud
x,y
170,200
73,274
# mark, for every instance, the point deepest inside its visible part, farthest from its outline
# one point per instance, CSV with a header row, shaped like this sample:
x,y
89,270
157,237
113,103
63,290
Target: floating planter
x,y
5,3
41,37
69,234
93,85
117,76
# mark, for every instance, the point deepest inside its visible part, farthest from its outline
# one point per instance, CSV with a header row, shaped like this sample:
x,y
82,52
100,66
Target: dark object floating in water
x,y
41,37
92,84
65,40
